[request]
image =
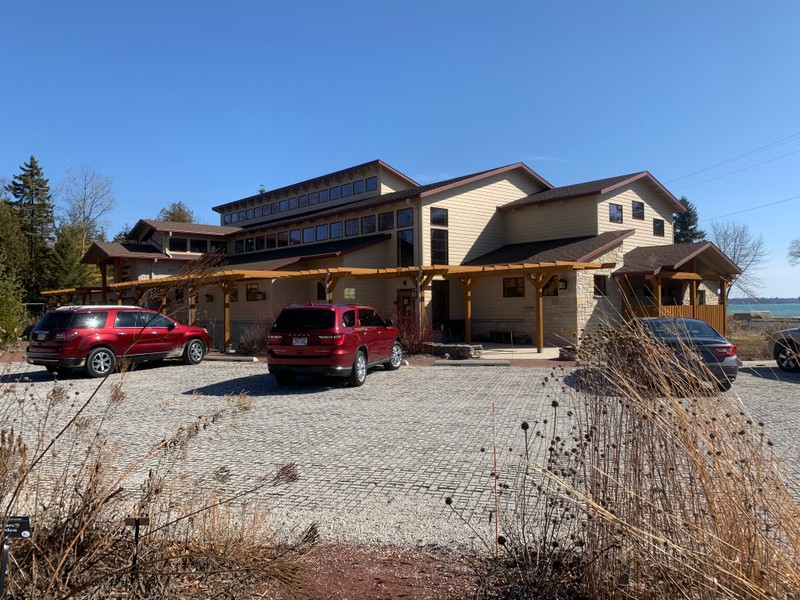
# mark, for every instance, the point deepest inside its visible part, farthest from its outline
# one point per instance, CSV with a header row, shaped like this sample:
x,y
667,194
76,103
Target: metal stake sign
x,y
13,527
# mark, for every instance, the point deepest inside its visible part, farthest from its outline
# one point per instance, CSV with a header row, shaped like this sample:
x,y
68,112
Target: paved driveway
x,y
376,462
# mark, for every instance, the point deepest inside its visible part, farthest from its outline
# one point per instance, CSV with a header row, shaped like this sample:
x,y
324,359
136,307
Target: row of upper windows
x,y
615,215
345,190
327,231
181,244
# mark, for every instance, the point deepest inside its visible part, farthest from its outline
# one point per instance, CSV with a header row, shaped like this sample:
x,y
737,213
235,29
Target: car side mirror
x,y
388,323
171,326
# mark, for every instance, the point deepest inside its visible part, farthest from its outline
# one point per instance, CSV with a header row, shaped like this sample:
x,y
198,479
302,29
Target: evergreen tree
x,y
33,205
12,312
685,225
13,246
177,212
64,268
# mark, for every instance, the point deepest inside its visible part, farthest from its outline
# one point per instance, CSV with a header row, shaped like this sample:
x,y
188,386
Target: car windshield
x,y
674,328
305,319
73,320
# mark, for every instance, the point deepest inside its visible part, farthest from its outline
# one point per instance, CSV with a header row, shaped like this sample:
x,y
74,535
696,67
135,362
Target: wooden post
x,y
227,286
467,282
693,298
192,306
657,294
163,308
538,281
723,289
119,297
104,281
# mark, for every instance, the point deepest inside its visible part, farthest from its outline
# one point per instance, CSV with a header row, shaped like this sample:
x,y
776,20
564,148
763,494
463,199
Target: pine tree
x,y
13,246
685,225
177,212
63,268
33,205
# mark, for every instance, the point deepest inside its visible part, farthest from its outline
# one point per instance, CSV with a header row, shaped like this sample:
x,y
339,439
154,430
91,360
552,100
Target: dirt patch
x,y
348,572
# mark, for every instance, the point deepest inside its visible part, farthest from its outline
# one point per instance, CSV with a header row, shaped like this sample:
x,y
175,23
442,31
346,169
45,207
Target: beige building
x,y
480,257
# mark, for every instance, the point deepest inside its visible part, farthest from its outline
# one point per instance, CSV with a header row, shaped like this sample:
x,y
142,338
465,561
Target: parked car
x,y
98,337
342,340
718,355
784,347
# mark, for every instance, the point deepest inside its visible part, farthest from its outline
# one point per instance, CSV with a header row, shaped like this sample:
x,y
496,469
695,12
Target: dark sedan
x,y
692,339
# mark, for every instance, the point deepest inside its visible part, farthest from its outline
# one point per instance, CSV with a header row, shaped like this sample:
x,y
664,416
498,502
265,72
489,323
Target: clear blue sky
x,y
203,101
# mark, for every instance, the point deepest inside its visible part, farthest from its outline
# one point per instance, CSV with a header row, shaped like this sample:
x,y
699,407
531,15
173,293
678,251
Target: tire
x,y
396,359
100,362
724,386
194,352
786,355
284,378
359,373
51,369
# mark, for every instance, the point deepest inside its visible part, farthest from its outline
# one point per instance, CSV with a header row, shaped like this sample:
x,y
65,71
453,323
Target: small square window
x,y
600,285
257,212
250,213
283,239
637,210
513,287
439,217
368,224
336,230
292,203
322,233
308,235
259,243
658,227
615,213
312,198
275,208
294,237
358,187
323,196
250,244
226,219
242,215
238,246
234,294
252,293
405,217
302,201
272,241
333,193
219,247
234,217
372,184
177,244
347,190
385,221
198,246
284,205
351,227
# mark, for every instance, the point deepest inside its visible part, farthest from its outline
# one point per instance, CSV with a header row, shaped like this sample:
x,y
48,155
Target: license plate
x,y
300,341
40,337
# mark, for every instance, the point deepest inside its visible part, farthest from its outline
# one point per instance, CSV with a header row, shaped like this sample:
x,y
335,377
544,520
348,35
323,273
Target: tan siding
x,y
389,182
475,226
654,208
571,218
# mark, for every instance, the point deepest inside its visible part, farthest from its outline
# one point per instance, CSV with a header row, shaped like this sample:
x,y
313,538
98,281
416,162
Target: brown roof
x,y
270,259
276,191
102,250
593,188
177,227
576,249
650,260
377,201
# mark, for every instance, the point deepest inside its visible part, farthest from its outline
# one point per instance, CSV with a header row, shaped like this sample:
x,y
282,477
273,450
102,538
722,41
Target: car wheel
x,y
284,378
100,362
724,386
359,373
51,368
396,359
786,355
194,352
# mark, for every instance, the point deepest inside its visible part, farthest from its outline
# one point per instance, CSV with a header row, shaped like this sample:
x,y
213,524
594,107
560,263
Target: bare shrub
x,y
642,481
59,465
414,334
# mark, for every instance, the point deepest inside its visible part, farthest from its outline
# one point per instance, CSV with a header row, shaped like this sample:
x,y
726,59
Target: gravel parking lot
x,y
377,462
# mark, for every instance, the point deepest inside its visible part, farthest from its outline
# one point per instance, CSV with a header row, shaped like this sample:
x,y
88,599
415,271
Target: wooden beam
x,y
467,283
192,304
680,276
693,298
104,281
227,287
723,290
656,283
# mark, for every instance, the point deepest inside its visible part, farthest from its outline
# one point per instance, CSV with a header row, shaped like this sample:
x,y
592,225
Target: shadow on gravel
x,y
37,376
265,385
771,373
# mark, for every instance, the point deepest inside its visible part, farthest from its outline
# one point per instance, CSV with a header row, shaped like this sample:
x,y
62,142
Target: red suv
x,y
342,340
96,337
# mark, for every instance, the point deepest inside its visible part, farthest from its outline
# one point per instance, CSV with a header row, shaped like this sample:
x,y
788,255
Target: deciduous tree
x,y
177,212
685,224
747,250
794,252
89,197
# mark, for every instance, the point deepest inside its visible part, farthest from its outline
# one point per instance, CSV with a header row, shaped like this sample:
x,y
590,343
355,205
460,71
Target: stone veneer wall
x,y
594,311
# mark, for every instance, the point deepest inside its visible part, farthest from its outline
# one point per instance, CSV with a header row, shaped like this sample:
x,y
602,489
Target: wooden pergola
x,y
538,274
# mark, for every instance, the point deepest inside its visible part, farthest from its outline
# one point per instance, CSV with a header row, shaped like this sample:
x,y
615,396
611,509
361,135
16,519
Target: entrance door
x,y
440,303
405,305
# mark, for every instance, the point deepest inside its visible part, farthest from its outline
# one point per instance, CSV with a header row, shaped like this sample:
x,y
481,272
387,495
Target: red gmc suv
x,y
341,340
96,337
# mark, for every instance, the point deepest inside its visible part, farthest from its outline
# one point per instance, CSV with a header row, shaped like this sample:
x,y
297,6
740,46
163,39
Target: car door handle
x,y
121,333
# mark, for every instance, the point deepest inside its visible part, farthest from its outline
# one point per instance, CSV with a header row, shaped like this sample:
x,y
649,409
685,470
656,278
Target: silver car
x,y
784,347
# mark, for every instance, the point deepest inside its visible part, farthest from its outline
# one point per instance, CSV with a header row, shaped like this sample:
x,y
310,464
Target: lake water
x,y
777,310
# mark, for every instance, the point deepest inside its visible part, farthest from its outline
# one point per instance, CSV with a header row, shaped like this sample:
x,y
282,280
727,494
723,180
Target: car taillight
x,y
65,336
724,351
274,339
332,340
